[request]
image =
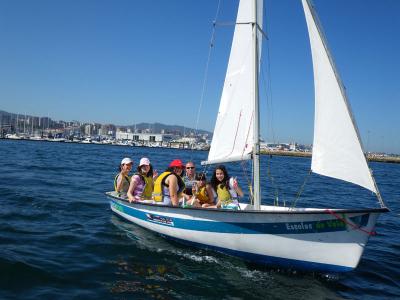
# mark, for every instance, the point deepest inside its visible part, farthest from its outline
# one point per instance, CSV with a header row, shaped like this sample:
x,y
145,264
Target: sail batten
x,y
337,150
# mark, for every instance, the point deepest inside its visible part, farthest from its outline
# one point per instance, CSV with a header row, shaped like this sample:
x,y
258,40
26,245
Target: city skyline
x,y
17,122
136,62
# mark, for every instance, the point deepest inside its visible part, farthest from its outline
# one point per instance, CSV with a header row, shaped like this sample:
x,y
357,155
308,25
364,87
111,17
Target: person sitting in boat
x,y
169,186
122,179
189,179
202,192
226,188
141,186
149,176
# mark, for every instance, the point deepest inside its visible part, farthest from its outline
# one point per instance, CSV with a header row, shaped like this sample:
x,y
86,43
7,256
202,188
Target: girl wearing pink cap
x,y
141,186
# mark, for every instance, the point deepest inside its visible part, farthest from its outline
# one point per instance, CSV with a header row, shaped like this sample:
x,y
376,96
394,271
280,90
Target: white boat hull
x,y
309,239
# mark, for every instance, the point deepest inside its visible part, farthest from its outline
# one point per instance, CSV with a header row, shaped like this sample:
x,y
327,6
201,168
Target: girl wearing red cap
x,y
169,185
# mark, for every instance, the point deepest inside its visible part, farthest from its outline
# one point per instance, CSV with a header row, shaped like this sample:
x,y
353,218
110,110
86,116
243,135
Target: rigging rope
x,y
206,72
243,164
349,223
269,102
268,79
301,189
274,186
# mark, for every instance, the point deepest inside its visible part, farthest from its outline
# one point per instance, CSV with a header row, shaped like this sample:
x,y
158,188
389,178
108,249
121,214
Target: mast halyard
x,y
256,142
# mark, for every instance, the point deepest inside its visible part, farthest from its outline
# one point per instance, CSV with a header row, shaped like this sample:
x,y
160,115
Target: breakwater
x,y
385,159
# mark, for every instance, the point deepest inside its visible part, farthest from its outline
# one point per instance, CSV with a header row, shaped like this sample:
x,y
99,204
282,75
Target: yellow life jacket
x,y
148,189
127,178
158,193
223,194
158,187
203,197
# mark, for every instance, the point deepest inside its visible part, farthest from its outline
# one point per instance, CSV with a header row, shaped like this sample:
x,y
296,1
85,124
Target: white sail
x,y
233,137
337,150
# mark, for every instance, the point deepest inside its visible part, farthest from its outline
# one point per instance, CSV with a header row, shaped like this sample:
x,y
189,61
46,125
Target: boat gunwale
x,y
219,210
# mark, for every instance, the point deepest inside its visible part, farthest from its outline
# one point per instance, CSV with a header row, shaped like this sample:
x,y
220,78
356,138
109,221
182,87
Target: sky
x,y
131,61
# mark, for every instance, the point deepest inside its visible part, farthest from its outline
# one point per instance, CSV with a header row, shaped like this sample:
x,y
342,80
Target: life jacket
x,y
158,194
203,197
127,178
223,194
148,188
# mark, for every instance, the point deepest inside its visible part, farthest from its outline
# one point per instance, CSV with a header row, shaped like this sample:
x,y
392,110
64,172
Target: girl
x,y
169,186
202,194
226,189
141,186
122,179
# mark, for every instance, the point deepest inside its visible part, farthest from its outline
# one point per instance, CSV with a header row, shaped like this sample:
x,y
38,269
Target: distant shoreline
x,y
385,159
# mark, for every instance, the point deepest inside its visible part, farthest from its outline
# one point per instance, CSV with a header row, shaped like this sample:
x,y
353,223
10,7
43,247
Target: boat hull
x,y
317,240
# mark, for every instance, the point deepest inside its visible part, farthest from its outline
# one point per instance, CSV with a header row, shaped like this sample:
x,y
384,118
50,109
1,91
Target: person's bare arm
x,y
119,183
132,187
173,193
210,193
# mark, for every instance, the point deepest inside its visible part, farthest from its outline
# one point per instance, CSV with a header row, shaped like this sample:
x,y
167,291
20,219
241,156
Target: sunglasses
x,y
188,168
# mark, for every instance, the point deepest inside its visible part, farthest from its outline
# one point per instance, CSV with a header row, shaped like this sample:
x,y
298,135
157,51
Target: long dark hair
x,y
215,182
149,173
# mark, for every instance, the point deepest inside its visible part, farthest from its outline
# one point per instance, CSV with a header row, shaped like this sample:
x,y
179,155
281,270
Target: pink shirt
x,y
139,187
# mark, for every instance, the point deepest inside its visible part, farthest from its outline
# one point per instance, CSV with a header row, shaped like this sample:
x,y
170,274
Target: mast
x,y
256,143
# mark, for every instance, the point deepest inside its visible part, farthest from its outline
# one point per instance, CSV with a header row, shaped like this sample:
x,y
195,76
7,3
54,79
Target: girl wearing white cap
x,y
142,183
122,179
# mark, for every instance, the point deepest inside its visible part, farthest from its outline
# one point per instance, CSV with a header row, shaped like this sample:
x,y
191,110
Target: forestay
x,y
233,137
337,150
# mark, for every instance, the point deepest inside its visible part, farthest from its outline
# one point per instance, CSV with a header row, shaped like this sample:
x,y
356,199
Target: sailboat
x,y
325,240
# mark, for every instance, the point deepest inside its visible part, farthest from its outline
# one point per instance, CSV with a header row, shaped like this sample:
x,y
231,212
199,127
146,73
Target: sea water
x,y
60,240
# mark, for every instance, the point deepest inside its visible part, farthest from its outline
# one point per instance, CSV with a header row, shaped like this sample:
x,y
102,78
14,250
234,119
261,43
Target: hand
x,y
235,183
194,190
155,174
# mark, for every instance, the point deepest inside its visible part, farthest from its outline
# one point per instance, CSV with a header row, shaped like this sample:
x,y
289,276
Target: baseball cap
x,y
176,163
144,161
126,161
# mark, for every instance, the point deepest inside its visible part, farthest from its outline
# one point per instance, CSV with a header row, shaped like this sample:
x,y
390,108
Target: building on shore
x,y
144,138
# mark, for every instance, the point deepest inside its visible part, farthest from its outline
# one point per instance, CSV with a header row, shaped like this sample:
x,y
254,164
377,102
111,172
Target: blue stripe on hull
x,y
263,259
240,227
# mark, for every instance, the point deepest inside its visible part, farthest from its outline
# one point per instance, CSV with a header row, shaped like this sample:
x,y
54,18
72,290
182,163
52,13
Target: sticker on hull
x,y
160,219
